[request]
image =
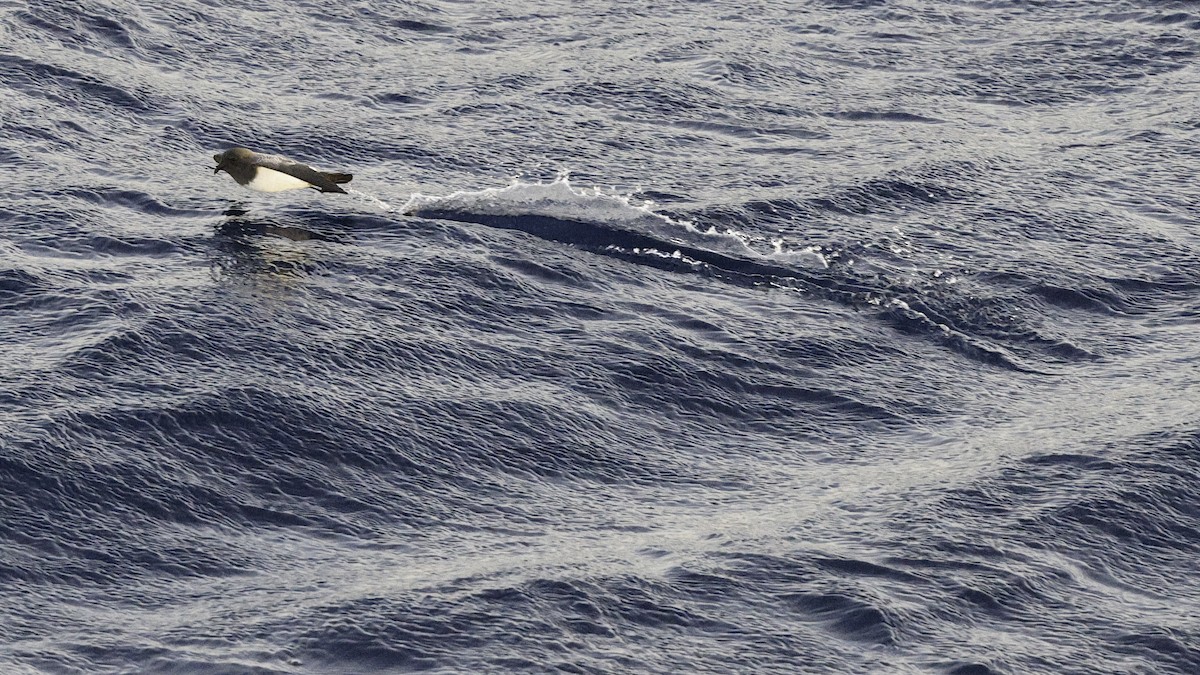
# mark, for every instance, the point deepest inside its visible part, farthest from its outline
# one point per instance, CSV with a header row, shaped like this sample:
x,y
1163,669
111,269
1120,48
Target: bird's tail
x,y
339,178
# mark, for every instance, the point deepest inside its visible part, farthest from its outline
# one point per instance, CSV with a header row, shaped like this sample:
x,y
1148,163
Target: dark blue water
x,y
823,336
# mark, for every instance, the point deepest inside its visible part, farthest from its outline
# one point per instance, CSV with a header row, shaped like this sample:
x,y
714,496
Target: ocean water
x,y
827,336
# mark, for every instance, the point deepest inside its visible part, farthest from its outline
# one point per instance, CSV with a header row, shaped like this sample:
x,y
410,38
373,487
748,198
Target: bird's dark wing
x,y
304,172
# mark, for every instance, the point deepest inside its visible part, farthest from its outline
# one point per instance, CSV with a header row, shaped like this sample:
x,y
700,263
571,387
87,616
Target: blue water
x,y
797,337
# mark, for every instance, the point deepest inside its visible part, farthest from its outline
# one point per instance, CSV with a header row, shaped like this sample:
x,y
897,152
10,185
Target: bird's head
x,y
231,155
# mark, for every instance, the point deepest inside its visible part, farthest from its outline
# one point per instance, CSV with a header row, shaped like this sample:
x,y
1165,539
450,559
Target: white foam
x,y
556,199
384,206
561,200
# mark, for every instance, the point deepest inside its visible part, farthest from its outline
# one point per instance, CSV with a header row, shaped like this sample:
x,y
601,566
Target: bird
x,y
273,173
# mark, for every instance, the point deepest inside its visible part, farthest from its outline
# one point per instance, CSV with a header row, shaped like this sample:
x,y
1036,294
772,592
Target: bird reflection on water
x,y
256,246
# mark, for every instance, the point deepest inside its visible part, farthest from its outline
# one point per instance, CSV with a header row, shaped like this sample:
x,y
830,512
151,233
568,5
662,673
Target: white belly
x,y
270,180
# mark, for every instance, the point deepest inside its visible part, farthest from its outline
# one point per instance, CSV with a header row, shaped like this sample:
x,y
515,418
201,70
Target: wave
x,y
605,221
617,225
